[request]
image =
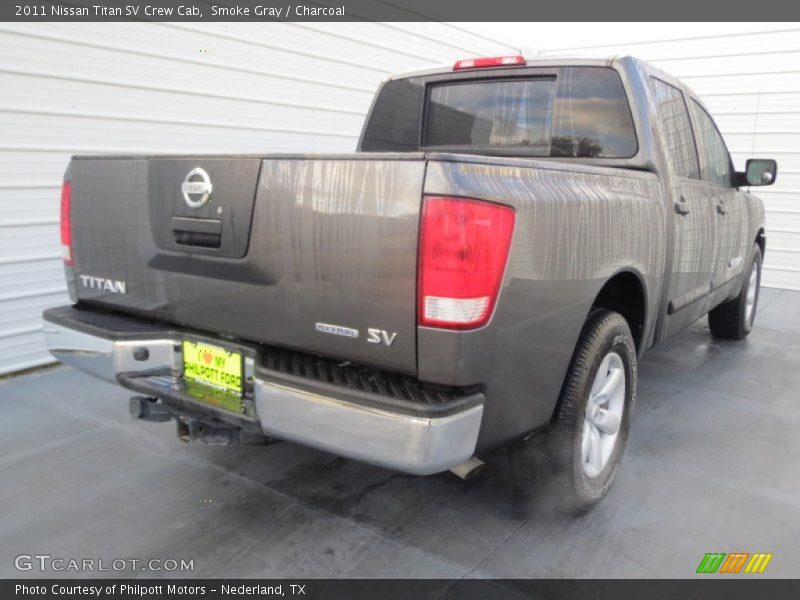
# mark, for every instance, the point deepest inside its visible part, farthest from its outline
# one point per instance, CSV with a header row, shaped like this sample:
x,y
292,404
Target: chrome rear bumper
x,y
105,358
356,425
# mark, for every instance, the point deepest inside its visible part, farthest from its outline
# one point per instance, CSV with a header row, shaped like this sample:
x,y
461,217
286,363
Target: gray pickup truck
x,y
487,268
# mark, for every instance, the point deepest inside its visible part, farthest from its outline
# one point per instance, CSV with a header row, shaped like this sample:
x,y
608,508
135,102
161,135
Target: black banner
x,y
713,588
394,10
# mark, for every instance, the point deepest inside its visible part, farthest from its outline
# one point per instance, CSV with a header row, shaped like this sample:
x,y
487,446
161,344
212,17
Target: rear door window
x,y
679,139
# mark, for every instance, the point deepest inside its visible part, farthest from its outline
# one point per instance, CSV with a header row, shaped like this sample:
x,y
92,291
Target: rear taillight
x,y
488,62
463,250
66,225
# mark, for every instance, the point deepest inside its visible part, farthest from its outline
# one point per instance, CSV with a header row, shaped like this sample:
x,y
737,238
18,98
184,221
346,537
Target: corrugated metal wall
x,y
168,87
751,83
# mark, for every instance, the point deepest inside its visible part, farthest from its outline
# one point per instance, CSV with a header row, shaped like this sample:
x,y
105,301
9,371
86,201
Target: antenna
x,y
755,126
755,122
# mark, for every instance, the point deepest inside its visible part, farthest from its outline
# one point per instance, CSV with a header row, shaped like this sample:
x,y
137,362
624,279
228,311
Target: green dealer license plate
x,y
213,367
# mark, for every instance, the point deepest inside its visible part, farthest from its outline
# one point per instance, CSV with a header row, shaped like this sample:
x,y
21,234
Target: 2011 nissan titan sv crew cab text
x,y
508,240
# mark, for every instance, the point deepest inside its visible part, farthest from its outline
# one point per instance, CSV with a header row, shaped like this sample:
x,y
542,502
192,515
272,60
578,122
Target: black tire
x,y
570,489
730,320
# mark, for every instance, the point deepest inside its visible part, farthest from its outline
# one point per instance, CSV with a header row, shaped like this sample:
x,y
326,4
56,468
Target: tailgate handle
x,y
205,233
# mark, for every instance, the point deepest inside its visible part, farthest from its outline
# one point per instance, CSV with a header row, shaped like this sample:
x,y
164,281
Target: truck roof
x,y
543,61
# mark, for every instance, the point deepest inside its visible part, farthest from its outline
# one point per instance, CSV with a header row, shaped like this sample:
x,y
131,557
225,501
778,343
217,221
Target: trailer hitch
x,y
193,430
149,409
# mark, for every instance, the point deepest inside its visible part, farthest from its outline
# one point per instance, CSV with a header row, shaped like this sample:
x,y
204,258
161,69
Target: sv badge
x,y
381,336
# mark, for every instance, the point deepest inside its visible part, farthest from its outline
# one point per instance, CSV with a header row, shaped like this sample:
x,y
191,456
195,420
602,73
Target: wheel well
x,y
624,293
761,240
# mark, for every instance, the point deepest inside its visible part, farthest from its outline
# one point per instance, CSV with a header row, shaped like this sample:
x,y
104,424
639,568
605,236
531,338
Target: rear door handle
x,y
681,207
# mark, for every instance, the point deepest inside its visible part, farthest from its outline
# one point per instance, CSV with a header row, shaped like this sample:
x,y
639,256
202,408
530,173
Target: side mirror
x,y
759,171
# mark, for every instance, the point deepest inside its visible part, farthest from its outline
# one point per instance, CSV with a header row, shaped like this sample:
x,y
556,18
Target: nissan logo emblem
x,y
196,188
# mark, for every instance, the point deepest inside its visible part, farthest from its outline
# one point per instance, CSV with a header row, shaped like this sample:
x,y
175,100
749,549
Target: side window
x,y
717,161
674,116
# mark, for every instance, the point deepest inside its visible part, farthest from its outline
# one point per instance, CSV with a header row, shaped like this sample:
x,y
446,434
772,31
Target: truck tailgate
x,y
293,251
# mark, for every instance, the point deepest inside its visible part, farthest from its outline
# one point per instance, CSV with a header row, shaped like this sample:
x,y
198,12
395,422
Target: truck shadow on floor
x,y
511,488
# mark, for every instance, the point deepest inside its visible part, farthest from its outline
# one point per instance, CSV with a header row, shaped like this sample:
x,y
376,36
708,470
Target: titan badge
x,y
101,283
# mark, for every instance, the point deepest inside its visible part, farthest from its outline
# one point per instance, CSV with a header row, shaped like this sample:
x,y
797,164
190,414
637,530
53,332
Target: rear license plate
x,y
213,367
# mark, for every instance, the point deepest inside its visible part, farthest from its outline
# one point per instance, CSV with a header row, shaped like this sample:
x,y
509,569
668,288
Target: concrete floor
x,y
711,466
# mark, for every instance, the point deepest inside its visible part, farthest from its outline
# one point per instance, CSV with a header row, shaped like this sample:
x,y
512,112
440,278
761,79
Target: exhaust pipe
x,y
469,469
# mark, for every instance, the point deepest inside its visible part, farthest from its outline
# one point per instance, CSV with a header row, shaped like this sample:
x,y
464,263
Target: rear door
x,y
694,239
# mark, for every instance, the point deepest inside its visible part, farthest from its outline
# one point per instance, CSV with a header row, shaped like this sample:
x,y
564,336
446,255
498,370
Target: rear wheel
x,y
733,320
584,445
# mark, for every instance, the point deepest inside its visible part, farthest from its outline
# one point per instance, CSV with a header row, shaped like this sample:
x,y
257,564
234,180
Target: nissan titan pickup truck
x,y
508,239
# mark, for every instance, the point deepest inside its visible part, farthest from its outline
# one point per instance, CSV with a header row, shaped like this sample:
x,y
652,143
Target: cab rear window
x,y
580,112
513,112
